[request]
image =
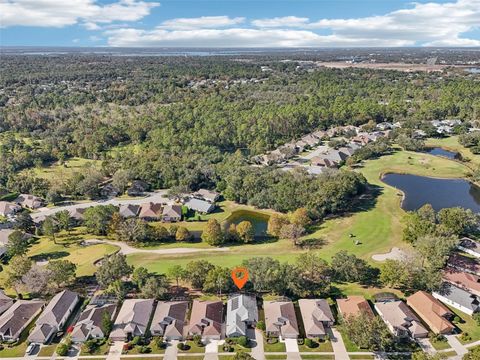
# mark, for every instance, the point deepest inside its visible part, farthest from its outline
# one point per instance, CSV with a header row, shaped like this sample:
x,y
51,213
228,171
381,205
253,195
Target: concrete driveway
x,y
293,353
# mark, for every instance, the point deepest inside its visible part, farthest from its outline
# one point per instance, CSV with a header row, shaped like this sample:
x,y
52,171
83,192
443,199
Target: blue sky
x,y
237,23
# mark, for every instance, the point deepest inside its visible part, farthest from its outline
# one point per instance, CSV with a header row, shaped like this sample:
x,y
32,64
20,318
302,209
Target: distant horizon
x,y
241,23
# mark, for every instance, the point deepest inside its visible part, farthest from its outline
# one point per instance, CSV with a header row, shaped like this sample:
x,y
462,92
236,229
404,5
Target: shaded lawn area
x,y
64,172
440,344
100,350
277,347
349,345
467,325
47,350
323,346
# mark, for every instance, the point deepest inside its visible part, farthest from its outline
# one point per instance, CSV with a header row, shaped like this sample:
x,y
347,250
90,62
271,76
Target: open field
x,y
377,228
57,172
384,66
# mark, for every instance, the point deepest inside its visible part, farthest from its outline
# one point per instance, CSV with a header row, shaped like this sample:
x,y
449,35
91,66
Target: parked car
x,y
31,348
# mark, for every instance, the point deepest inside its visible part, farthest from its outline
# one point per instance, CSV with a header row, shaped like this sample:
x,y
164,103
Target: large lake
x,y
440,193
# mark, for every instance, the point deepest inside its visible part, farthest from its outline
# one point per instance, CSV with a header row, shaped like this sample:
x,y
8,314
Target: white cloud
x,y
203,22
286,21
60,13
428,24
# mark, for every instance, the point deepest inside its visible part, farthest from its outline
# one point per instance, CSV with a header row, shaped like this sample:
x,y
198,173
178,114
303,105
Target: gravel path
x,y
127,249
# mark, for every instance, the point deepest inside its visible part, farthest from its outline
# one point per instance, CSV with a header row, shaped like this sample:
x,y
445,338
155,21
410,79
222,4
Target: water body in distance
x,y
437,151
440,193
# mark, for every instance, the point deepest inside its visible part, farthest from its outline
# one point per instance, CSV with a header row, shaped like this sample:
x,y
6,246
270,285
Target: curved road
x,y
159,196
127,249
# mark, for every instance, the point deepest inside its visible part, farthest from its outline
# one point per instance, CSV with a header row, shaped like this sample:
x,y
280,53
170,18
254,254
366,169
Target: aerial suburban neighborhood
x,y
239,180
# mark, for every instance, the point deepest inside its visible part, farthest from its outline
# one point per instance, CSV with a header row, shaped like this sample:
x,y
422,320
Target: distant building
x,y
17,317
29,201
469,246
458,298
280,319
54,317
172,213
436,315
128,210
401,321
242,314
200,206
150,211
4,236
169,319
207,195
466,281
317,317
8,208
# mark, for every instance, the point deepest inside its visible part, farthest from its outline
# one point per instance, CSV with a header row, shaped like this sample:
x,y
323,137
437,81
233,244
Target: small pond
x,y
440,193
258,220
438,151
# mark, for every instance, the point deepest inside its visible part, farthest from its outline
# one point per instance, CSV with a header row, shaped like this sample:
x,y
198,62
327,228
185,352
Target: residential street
x,y
159,196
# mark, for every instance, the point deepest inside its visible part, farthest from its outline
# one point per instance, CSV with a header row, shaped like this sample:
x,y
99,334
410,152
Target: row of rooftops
x,y
27,201
331,157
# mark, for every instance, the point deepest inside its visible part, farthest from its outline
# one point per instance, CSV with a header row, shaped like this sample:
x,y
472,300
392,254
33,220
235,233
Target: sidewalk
x,y
338,346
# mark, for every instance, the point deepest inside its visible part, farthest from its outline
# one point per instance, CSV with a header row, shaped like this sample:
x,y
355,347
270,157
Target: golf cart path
x,y
127,249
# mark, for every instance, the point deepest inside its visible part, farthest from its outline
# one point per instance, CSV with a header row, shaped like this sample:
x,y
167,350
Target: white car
x,y
31,348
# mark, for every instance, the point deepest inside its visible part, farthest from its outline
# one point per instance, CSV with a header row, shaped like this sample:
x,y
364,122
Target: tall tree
x,y
17,244
212,234
62,274
176,272
196,272
64,220
113,267
245,231
49,228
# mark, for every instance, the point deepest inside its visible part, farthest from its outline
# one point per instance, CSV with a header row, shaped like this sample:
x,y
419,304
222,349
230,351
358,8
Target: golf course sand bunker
x,y
394,254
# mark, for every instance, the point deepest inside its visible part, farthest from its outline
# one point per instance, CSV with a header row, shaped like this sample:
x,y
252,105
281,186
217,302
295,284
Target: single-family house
x,y
242,313
206,319
317,316
469,246
353,306
8,208
336,155
169,319
347,151
89,324
17,317
207,195
128,210
311,140
132,319
466,281
400,319
150,211
172,213
200,206
324,162
4,236
137,188
361,139
109,191
384,126
77,214
436,315
464,263
54,316
458,298
280,319
29,201
5,302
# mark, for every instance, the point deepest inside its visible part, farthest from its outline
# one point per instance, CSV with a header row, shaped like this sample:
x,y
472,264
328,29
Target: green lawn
x,y
378,229
57,172
324,346
47,350
451,143
277,347
67,248
101,350
467,325
275,357
440,345
318,357
193,348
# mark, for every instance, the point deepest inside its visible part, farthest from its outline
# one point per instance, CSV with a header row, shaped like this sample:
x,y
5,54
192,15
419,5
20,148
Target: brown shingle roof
x,y
207,314
353,306
280,316
432,311
462,279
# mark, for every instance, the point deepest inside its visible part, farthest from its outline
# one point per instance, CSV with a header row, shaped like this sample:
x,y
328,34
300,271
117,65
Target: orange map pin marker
x,y
240,276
